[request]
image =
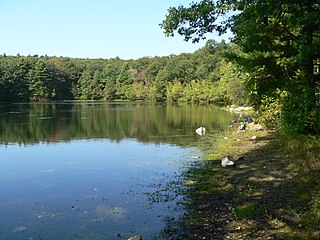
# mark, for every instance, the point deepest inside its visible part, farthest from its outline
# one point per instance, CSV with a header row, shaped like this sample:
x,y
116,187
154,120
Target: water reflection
x,y
34,123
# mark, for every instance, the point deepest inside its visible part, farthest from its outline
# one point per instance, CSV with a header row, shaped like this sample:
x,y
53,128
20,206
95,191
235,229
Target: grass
x,y
245,210
273,193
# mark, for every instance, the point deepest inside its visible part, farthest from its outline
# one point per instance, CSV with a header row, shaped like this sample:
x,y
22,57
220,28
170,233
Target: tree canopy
x,y
280,50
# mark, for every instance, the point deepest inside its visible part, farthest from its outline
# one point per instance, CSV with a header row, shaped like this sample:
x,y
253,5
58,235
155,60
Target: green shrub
x,y
299,113
244,211
269,112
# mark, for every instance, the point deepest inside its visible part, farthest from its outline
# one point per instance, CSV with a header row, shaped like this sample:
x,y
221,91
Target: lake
x,y
96,170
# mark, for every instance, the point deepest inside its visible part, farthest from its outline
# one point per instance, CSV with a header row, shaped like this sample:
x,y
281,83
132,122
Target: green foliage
x,y
244,211
87,86
279,41
39,82
302,117
175,91
139,91
62,78
124,83
269,112
204,76
230,87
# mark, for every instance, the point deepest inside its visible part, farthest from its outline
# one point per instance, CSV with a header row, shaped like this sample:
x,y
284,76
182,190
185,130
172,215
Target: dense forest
x,y
203,76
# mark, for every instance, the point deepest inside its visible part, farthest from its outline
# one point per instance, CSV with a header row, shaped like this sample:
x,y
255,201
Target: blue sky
x,y
128,29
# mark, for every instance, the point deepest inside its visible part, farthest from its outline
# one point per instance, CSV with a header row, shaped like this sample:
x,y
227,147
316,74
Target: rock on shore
x,y
136,237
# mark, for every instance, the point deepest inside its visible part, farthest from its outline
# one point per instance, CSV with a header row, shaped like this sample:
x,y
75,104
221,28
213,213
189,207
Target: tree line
x,y
203,76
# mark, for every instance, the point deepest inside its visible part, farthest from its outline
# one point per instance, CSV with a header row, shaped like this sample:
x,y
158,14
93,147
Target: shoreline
x,y
266,196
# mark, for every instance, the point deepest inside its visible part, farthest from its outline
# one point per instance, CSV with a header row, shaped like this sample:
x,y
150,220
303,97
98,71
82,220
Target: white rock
x,y
201,131
226,162
137,237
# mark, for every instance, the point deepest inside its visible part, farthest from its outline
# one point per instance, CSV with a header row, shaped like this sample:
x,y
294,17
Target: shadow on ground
x,y
273,193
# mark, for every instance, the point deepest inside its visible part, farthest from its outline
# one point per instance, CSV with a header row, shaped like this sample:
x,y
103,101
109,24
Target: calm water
x,y
94,170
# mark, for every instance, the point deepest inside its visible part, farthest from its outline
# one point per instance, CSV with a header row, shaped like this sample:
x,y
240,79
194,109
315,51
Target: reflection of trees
x,y
32,123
